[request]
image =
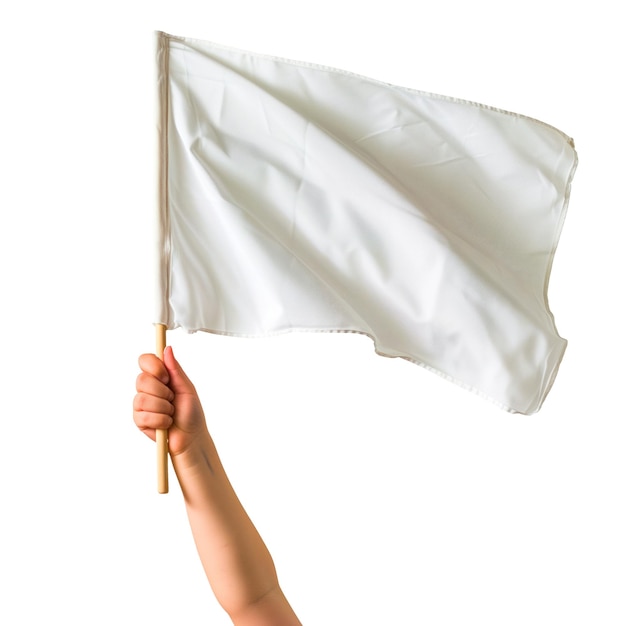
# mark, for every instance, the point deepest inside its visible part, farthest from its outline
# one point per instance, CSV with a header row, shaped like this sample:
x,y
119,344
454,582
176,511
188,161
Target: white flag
x,y
300,197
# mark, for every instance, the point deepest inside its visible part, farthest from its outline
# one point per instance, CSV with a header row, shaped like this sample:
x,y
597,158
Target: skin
x,y
236,561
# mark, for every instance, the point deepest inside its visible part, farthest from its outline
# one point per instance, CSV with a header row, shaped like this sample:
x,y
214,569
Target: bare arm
x,y
237,563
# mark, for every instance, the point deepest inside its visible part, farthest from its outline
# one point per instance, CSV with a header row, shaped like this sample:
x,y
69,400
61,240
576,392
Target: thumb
x,y
179,381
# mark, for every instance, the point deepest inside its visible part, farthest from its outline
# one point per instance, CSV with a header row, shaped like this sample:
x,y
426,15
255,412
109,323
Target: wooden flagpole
x,y
161,435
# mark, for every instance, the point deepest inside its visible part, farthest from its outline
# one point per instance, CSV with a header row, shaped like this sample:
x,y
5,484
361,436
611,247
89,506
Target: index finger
x,y
151,364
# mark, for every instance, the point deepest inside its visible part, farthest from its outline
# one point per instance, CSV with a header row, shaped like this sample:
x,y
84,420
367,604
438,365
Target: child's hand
x,y
166,399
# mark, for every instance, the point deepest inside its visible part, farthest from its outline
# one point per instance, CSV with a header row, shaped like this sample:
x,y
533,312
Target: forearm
x,y
236,561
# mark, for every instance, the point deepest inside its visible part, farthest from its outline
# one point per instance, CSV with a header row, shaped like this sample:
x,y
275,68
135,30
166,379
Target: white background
x,y
386,495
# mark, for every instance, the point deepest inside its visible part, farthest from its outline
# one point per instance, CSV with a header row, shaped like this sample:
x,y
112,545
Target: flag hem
x,y
163,218
551,371
335,70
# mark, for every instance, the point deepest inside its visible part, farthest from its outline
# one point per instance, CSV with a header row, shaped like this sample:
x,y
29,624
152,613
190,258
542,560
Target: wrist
x,y
198,455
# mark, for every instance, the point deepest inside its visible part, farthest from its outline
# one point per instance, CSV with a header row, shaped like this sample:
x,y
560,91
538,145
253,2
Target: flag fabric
x,y
300,197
